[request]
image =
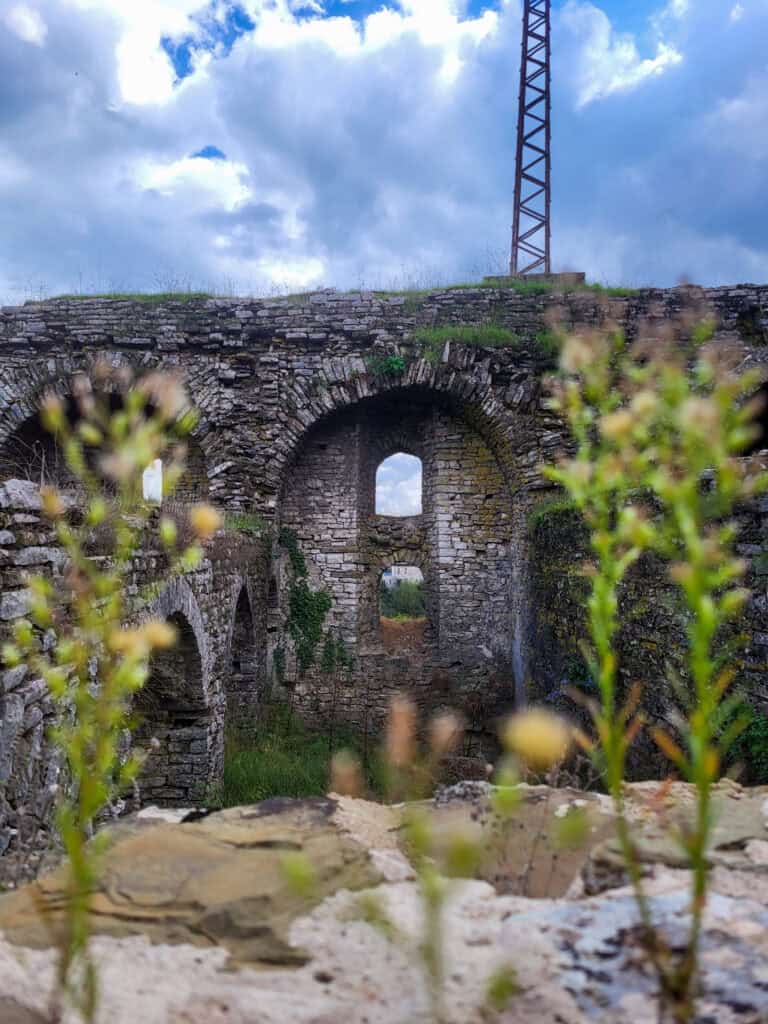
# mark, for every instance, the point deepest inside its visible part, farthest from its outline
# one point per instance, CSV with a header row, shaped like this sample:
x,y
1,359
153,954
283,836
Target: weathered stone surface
x,y
218,881
20,494
576,960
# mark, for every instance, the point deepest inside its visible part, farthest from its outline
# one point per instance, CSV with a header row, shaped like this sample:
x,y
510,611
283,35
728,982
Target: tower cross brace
x,y
531,225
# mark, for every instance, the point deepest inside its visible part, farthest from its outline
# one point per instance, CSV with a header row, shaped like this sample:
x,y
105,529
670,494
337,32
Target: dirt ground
x,y
402,634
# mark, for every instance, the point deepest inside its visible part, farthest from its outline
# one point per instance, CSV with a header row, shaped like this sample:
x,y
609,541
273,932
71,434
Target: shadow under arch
x,y
177,709
242,680
21,431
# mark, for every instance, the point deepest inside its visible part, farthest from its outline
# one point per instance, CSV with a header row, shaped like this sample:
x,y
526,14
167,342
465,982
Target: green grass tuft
x,y
149,298
284,758
250,523
544,347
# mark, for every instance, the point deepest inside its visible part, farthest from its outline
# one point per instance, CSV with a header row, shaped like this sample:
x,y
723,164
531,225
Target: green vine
x,y
335,655
307,608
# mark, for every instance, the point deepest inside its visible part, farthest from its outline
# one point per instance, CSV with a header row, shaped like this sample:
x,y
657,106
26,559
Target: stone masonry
x,y
299,406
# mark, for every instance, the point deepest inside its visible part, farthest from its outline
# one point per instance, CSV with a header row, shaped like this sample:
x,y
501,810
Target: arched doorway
x,y
402,608
174,723
242,694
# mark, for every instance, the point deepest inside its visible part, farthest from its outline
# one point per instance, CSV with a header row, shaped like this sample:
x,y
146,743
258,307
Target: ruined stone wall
x,y
186,718
269,377
461,541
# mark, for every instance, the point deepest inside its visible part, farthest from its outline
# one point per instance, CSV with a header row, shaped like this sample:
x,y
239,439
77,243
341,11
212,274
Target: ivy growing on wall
x,y
307,608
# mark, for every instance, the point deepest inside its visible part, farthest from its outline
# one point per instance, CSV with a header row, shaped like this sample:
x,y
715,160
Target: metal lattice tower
x,y
530,228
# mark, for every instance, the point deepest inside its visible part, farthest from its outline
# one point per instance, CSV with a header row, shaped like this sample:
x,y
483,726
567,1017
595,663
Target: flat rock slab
x,y
218,881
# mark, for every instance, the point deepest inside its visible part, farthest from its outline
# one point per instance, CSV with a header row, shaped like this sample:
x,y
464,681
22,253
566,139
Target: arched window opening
x,y
174,723
152,482
402,607
242,685
760,422
398,486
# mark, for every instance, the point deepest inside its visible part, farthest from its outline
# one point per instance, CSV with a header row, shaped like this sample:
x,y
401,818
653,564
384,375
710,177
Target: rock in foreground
x,y
196,924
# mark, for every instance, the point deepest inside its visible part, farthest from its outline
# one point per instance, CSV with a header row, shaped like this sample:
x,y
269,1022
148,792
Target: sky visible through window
x,y
398,486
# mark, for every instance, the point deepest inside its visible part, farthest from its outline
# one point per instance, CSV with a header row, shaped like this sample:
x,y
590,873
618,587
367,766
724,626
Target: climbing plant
x,y
307,608
385,366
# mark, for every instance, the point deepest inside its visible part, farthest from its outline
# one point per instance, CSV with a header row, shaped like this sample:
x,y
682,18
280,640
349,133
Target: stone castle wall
x,y
297,410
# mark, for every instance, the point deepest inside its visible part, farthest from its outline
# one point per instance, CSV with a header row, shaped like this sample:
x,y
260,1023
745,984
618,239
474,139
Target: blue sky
x,y
272,145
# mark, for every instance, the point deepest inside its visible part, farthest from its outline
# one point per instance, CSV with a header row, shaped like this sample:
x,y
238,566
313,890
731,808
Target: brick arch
x,y
242,658
55,377
178,710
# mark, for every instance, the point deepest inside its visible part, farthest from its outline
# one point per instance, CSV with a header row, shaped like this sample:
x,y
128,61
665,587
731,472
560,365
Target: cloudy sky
x,y
255,146
398,486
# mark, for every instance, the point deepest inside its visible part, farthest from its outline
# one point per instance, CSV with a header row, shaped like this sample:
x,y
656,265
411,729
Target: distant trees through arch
x,y
402,606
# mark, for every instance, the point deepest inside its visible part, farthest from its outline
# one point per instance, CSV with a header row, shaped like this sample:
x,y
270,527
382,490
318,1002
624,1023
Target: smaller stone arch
x,y
178,720
242,680
369,618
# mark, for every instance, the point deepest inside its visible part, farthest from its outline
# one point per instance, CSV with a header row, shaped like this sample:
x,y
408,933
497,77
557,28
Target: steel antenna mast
x,y
531,228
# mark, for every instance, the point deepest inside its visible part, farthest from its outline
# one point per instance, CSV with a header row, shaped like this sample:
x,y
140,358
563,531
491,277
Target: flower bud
x,y
401,730
168,532
53,505
52,413
444,733
538,737
346,779
159,634
205,521
617,425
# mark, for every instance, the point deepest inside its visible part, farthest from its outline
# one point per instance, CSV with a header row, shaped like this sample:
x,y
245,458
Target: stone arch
x,y
30,452
34,383
464,384
243,661
370,595
179,719
467,543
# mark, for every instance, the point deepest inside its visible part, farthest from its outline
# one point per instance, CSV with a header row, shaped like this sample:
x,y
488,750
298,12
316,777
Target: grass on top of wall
x,y
150,298
284,758
544,347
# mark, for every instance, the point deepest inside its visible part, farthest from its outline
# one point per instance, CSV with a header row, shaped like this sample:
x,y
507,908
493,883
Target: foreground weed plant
x,y
535,740
657,428
77,638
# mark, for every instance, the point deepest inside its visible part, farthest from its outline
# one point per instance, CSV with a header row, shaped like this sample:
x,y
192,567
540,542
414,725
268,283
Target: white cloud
x,y
398,486
27,23
217,182
737,12
377,153
605,61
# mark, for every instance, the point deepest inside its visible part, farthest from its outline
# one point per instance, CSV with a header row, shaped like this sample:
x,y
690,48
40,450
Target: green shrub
x,y
405,599
385,366
284,758
250,523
